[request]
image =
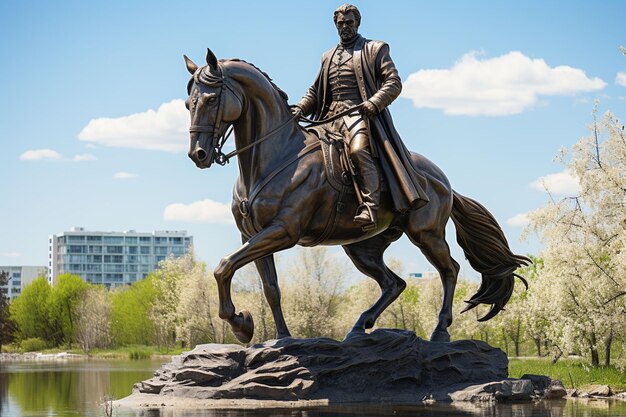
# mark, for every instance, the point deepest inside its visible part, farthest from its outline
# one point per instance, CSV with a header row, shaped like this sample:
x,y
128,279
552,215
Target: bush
x,y
34,344
139,354
11,348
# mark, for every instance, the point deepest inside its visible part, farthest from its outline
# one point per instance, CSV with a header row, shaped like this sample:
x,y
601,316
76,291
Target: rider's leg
x,y
368,176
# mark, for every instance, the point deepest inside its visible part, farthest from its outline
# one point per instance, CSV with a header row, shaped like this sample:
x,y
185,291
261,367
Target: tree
x,y
7,326
31,311
93,326
64,300
585,237
312,296
131,308
195,313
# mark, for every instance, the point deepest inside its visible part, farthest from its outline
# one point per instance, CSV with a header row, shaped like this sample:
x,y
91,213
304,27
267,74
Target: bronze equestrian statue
x,y
287,195
360,71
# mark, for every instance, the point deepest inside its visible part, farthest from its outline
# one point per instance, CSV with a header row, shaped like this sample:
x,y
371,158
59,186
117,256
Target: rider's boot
x,y
369,183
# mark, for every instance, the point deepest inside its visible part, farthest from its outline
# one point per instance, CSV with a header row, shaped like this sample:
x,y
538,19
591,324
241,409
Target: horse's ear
x,y
191,67
211,59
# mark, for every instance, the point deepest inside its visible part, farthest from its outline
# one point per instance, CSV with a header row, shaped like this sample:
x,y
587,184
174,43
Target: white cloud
x,y
162,130
204,211
519,220
84,157
504,85
124,176
564,183
10,254
40,155
52,155
621,79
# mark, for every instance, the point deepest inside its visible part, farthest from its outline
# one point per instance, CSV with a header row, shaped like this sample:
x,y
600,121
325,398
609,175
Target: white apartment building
x,y
20,277
112,258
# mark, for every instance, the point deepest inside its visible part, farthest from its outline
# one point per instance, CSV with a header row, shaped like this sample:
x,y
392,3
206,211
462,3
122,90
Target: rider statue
x,y
360,71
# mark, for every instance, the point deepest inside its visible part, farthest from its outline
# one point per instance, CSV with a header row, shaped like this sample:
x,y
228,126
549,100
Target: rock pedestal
x,y
383,366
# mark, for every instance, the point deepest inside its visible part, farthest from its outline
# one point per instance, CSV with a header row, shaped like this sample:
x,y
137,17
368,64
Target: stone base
x,y
391,366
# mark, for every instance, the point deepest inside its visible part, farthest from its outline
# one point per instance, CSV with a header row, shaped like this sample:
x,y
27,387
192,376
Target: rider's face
x,y
347,26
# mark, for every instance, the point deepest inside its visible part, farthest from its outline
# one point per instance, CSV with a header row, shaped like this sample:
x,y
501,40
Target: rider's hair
x,y
345,9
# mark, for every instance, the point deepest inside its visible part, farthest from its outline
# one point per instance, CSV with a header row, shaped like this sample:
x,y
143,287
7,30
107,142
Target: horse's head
x,y
213,105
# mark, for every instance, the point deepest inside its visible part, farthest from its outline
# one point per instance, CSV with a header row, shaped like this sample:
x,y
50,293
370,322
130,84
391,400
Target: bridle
x,y
218,141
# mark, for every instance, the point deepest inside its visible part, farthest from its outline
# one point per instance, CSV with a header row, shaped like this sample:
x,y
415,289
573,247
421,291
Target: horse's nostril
x,y
201,154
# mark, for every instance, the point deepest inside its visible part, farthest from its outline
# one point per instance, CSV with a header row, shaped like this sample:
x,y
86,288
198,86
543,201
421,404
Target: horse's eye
x,y
212,99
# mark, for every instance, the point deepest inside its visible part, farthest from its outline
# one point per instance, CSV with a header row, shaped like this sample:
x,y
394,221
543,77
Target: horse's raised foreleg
x,y
267,241
436,250
367,256
267,271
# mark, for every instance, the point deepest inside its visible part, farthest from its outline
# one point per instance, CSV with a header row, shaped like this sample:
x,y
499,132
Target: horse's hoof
x,y
440,336
243,326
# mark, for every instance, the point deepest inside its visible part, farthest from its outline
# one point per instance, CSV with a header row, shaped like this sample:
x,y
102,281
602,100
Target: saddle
x,y
337,165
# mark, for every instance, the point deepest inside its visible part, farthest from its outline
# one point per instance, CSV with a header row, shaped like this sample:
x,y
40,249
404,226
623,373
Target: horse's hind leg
x,y
436,250
267,271
367,256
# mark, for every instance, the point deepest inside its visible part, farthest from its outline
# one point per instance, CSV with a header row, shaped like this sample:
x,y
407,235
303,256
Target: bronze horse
x,y
283,198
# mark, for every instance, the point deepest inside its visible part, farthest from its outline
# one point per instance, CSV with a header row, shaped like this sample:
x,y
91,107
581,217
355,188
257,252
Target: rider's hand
x,y
368,109
296,111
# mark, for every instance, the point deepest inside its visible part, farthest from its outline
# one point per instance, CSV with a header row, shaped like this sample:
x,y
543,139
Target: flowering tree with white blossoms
x,y
583,278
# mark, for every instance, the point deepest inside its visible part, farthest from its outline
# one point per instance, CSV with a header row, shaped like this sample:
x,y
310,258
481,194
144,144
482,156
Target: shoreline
x,y
141,401
65,356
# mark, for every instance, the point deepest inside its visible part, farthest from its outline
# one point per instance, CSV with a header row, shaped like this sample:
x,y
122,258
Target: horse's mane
x,y
207,77
277,88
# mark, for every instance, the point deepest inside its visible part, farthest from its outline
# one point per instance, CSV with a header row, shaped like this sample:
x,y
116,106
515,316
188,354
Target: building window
x,y
145,239
178,250
131,240
115,240
114,249
133,250
95,249
94,238
76,249
75,239
145,250
94,259
160,240
160,250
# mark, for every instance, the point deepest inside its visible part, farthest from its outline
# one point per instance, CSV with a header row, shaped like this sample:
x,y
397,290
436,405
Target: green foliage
x,y
574,373
33,344
31,311
139,353
65,298
130,315
7,326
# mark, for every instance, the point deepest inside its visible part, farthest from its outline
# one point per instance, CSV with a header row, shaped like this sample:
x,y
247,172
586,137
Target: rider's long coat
x,y
378,82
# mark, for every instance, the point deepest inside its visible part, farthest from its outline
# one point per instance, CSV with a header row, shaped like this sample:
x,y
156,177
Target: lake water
x,y
77,388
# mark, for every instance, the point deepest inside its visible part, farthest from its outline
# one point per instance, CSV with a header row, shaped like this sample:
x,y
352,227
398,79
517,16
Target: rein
x,y
222,159
345,112
219,141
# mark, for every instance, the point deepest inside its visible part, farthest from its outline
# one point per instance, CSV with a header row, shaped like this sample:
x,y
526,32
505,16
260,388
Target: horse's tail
x,y
488,252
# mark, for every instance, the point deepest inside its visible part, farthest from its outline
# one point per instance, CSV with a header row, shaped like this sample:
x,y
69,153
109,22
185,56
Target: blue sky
x,y
93,132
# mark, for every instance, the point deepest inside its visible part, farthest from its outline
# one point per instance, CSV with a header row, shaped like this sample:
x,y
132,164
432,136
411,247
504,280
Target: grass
x,y
574,373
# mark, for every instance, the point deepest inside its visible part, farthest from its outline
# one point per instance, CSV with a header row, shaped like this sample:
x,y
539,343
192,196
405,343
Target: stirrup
x,y
369,224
